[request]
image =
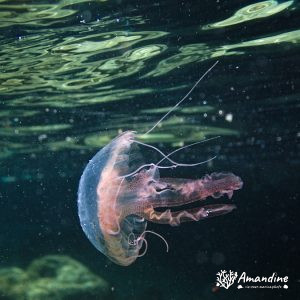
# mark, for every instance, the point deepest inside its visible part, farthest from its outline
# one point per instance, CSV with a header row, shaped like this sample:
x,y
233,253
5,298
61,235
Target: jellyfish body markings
x,y
114,208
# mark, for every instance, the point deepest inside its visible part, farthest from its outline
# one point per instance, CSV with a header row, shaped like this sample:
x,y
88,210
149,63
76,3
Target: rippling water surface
x,y
76,73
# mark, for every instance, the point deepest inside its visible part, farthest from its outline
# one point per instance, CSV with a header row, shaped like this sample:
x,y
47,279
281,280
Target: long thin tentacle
x,y
175,164
142,237
160,236
147,165
146,247
187,146
181,148
178,103
158,150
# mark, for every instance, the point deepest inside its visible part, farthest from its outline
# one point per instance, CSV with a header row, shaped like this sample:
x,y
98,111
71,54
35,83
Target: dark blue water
x,y
74,74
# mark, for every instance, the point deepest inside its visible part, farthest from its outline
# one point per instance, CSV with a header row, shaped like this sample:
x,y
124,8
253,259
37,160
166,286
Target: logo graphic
x,y
225,279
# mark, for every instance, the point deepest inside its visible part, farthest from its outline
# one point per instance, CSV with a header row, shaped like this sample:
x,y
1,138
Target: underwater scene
x,y
149,149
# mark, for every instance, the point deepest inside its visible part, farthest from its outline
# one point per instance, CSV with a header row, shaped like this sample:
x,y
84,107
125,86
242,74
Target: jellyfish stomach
x,y
174,192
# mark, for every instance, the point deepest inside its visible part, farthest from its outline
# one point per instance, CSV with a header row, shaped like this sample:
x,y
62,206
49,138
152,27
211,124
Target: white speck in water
x,y
42,137
220,112
229,117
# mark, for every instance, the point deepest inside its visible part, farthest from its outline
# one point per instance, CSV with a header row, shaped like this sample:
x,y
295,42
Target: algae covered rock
x,y
12,283
52,277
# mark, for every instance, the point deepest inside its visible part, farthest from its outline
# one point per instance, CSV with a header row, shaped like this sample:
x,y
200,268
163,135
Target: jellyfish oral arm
x,y
193,214
171,192
177,191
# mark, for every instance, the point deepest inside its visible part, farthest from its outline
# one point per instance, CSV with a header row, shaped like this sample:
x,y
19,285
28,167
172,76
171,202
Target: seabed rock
x,y
53,277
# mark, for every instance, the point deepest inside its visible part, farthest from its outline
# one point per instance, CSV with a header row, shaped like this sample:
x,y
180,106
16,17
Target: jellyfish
x,y
118,194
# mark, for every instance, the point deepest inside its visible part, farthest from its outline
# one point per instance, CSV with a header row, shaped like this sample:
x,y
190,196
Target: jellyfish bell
x,y
117,197
102,203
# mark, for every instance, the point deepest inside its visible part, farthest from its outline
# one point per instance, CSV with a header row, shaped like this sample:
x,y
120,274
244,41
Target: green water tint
x,y
44,141
18,113
46,61
65,59
254,11
188,133
186,110
196,53
29,130
12,13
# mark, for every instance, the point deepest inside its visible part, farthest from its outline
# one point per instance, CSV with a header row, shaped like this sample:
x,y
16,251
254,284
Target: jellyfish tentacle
x,y
146,246
142,237
175,164
193,214
190,165
187,146
178,103
159,235
147,165
177,150
158,150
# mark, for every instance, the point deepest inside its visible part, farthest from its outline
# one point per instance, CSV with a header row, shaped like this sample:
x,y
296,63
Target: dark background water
x,y
259,88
